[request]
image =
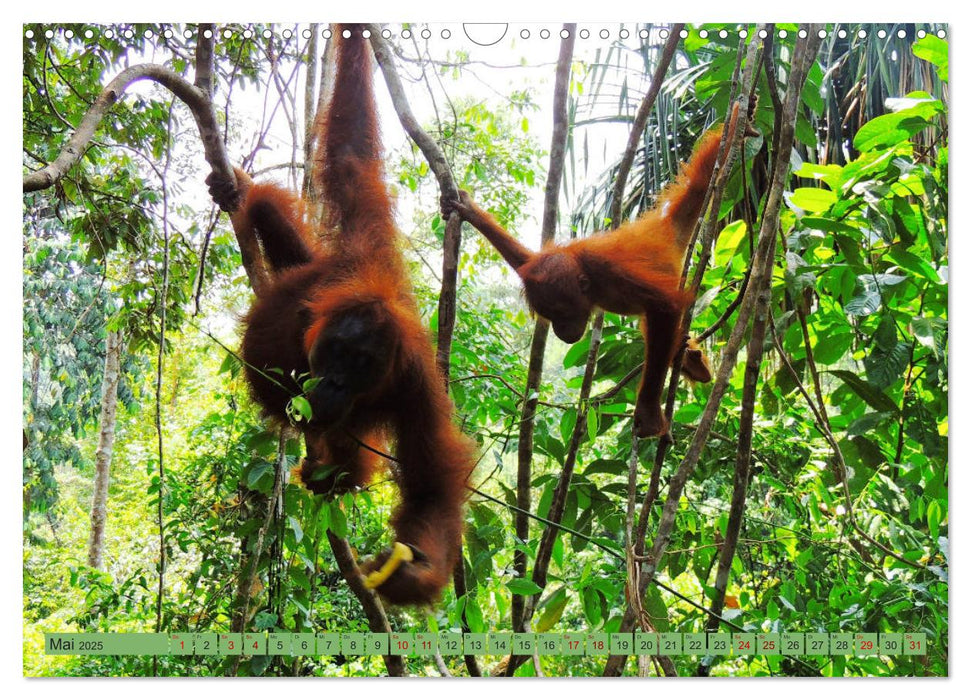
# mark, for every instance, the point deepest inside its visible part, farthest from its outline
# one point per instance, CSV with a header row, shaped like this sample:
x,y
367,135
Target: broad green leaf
x,y
258,471
863,304
552,611
591,607
934,50
934,515
523,586
338,520
728,241
300,409
866,391
812,199
891,129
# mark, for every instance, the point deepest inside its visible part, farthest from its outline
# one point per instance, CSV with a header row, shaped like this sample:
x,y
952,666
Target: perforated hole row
x,y
484,34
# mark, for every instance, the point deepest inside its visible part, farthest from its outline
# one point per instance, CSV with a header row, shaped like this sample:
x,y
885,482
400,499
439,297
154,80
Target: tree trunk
x,y
106,441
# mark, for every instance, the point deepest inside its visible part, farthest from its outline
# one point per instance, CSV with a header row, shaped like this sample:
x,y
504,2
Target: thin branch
x,y
640,122
377,620
541,329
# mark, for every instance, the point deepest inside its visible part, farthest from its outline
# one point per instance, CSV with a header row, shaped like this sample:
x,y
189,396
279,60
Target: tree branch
x,y
541,329
200,105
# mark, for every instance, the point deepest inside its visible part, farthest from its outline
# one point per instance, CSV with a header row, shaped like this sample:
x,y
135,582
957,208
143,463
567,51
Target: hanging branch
x,y
250,567
704,232
373,610
541,329
803,56
822,424
161,298
449,192
199,102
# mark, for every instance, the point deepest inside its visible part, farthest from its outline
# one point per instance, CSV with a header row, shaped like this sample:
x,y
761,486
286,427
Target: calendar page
x,y
474,350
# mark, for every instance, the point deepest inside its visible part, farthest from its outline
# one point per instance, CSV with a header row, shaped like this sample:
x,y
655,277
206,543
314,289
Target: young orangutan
x,y
632,270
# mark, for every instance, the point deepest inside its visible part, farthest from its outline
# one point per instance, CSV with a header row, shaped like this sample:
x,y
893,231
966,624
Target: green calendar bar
x,y
695,644
792,644
426,644
647,643
230,644
279,644
574,644
402,644
254,644
327,643
377,643
891,644
769,644
184,644
817,644
351,644
621,643
672,643
475,644
499,643
915,644
840,644
302,644
743,644
598,645
865,644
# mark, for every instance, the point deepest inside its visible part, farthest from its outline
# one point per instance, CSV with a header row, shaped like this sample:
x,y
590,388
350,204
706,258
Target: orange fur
x,y
345,315
632,270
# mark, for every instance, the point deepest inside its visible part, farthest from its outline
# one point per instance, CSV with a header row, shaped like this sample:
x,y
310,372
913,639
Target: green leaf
x,y
523,586
866,391
886,366
576,356
832,349
299,409
891,129
552,611
338,521
257,472
812,199
923,330
728,241
297,529
591,607
933,49
230,365
934,517
473,615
